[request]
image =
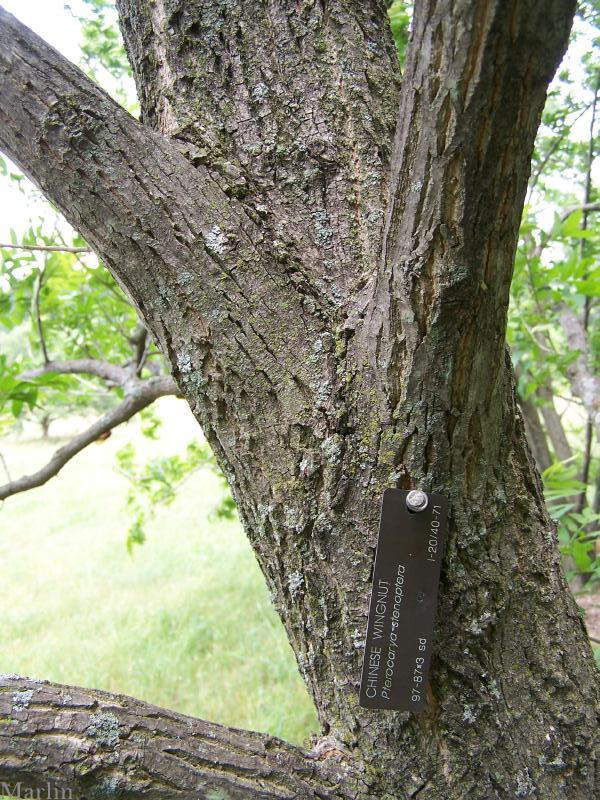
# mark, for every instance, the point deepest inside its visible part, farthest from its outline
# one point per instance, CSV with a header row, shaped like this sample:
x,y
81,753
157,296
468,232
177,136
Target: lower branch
x,y
81,366
46,248
143,395
95,744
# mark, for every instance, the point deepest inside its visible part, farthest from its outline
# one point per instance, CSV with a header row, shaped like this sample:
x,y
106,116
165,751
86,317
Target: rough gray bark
x,y
332,298
118,747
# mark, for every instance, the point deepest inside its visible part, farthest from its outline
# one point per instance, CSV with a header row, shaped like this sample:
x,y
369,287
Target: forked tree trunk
x,y
332,297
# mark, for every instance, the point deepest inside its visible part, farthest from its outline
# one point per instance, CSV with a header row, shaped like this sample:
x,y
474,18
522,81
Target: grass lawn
x,y
185,623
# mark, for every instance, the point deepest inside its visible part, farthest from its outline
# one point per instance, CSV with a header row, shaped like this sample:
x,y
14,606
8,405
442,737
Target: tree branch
x,y
144,394
46,248
101,167
553,423
587,193
585,207
585,466
546,237
38,314
139,340
535,433
164,227
466,127
119,376
5,466
553,148
93,743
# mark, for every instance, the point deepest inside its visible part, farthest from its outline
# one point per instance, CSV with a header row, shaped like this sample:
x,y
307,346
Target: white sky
x,y
49,19
56,25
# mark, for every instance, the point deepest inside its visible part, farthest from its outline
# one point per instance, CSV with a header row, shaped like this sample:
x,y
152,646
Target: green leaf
x,y
580,553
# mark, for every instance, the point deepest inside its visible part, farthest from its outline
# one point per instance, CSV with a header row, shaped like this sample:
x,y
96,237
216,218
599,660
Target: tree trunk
x,y
552,421
536,436
332,297
45,424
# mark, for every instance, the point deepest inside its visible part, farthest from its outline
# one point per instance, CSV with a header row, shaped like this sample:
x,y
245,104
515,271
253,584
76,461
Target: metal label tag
x,y
403,601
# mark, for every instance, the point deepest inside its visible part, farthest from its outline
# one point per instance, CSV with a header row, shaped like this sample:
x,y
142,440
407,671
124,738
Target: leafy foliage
x,y
59,306
541,284
399,13
103,55
102,44
557,270
156,483
577,530
14,391
84,313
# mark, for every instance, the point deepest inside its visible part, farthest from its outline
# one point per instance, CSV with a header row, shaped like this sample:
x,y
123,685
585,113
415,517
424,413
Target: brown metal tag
x,y
403,601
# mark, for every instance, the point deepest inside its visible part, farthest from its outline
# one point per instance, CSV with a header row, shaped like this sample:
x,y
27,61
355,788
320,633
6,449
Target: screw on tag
x,y
403,601
416,500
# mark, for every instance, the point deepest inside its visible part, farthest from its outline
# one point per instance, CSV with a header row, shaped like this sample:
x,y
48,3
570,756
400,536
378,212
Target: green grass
x,y
186,623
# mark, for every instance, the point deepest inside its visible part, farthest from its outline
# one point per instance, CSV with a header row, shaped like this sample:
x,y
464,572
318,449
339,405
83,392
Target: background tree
x,y
334,310
553,323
